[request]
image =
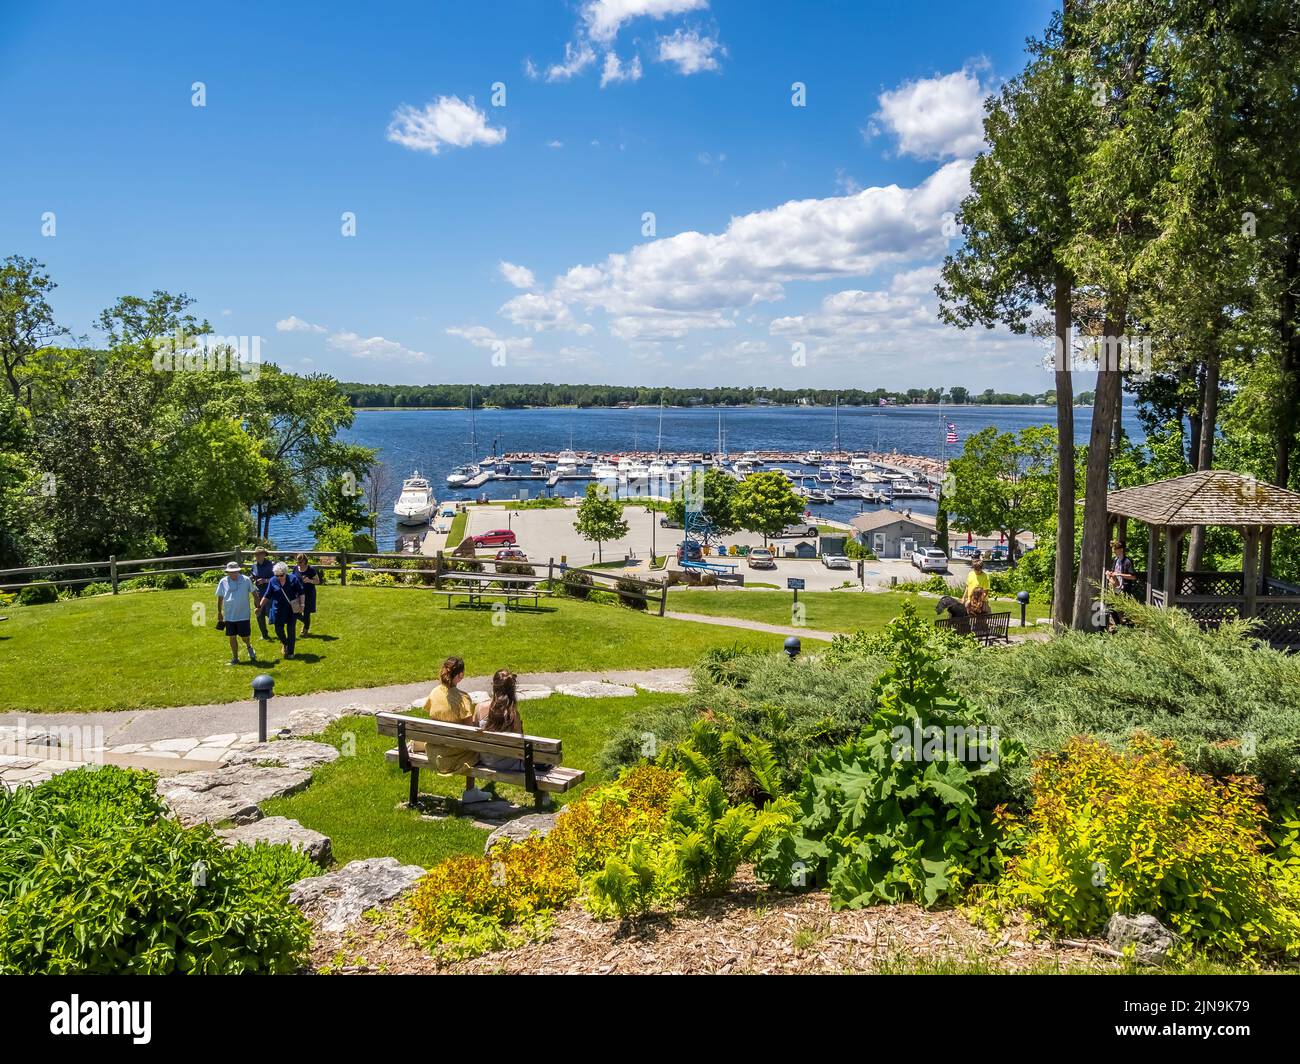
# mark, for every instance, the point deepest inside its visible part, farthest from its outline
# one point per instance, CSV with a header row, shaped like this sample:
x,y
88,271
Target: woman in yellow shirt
x,y
449,703
976,578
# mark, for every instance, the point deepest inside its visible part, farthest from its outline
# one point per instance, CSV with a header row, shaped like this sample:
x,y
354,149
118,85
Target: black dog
x,y
952,605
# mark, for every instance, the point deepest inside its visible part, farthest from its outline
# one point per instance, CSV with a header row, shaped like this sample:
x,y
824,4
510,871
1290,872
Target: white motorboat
x,y
566,463
463,475
813,457
416,503
539,467
603,469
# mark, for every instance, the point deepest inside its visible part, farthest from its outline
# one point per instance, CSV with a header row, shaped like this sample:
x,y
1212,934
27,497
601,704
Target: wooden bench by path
x,y
988,628
530,749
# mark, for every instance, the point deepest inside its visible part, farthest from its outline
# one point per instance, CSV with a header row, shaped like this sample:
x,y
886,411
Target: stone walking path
x,y
754,626
179,738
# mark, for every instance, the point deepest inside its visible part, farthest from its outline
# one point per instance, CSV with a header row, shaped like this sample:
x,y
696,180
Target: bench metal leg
x,y
415,787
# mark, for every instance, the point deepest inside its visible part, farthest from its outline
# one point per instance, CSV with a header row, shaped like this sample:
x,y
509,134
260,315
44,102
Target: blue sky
x,y
507,243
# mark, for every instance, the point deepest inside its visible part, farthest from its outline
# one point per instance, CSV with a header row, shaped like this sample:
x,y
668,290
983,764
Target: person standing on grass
x,y
309,576
283,602
235,610
263,571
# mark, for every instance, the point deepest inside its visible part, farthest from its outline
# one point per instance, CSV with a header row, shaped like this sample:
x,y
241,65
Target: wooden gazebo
x,y
1172,508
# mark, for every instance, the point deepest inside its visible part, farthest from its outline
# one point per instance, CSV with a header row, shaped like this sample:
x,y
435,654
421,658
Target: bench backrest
x,y
986,624
468,737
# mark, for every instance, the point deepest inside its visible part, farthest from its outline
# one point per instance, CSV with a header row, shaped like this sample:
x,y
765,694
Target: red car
x,y
511,554
497,537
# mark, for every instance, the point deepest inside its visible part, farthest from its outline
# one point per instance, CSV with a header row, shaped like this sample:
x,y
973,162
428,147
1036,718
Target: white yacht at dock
x,y
416,503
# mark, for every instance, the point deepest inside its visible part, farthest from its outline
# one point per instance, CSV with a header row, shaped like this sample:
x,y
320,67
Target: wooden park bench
x,y
530,749
988,628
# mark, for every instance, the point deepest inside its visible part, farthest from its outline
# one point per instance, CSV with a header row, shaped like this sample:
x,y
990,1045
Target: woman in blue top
x,y
309,576
282,591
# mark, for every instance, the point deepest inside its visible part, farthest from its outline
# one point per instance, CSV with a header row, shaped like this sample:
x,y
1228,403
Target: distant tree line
x,y
518,396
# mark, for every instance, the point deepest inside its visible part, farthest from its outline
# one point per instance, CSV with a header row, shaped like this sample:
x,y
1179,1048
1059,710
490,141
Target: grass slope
x,y
831,611
356,800
144,649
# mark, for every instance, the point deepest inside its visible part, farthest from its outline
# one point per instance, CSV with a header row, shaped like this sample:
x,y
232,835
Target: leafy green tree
x,y
1016,223
711,494
1004,482
134,321
600,518
340,501
765,503
27,322
297,420
212,470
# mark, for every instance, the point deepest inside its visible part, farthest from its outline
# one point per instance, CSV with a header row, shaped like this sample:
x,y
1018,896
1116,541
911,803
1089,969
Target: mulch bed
x,y
747,931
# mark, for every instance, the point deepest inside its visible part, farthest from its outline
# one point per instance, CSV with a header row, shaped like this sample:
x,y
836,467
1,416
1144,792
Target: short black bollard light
x,y
792,646
263,688
1023,598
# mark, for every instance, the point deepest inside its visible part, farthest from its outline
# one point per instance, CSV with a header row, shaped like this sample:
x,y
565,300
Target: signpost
x,y
795,584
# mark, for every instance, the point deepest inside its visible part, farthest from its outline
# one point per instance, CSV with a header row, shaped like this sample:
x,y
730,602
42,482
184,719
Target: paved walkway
x,y
147,726
753,626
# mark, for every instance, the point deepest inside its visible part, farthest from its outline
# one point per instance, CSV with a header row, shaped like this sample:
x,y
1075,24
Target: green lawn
x,y
456,533
355,800
143,649
831,611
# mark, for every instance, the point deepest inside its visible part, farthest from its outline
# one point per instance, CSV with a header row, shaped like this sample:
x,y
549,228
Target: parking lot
x,y
545,534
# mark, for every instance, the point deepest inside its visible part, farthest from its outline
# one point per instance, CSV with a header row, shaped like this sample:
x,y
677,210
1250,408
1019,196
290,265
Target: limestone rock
x,y
339,898
1150,939
228,793
596,689
288,753
282,831
521,828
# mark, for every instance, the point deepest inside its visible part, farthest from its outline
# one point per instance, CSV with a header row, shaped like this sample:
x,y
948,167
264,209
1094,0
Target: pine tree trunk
x,y
1063,576
1205,449
1289,330
1092,553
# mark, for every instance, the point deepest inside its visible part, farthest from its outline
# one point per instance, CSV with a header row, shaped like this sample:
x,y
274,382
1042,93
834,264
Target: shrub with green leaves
x,y
94,878
1136,831
904,811
1231,704
702,843
37,595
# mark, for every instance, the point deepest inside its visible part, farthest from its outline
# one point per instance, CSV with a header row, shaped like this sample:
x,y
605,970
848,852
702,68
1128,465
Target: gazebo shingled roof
x,y
1210,497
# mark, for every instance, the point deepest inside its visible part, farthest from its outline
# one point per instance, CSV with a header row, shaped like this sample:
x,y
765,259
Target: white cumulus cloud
x,y
690,52
616,70
577,57
293,323
603,19
375,348
449,120
935,118
519,276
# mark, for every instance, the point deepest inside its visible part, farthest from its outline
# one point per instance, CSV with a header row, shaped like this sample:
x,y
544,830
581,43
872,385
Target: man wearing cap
x,y
263,570
234,610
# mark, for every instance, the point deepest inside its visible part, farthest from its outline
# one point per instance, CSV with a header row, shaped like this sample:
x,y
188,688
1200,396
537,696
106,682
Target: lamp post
x,y
1023,598
263,688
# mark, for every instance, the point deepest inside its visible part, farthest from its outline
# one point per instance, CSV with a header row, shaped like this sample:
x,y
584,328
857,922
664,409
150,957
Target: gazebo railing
x,y
1194,583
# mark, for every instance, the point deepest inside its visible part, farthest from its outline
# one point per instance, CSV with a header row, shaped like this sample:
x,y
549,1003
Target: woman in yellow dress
x,y
449,703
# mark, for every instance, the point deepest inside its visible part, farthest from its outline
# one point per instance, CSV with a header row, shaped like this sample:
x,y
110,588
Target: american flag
x,y
952,432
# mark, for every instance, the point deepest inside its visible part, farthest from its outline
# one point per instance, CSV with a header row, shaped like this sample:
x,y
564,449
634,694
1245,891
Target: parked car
x,y
669,522
511,554
836,561
689,550
799,530
497,537
762,558
931,560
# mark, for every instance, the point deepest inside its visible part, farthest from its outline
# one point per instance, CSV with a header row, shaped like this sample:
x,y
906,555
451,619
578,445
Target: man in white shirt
x,y
234,610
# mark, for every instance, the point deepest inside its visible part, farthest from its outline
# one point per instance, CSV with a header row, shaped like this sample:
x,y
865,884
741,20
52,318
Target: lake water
x,y
436,441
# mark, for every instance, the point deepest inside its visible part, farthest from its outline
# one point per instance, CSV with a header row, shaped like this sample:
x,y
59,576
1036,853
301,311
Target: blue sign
x,y
794,583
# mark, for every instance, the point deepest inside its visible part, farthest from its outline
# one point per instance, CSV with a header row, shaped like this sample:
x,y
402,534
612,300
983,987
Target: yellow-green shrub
x,y
465,904
1139,832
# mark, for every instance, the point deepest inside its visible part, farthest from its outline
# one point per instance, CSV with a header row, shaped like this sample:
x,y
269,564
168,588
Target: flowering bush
x,y
1139,832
